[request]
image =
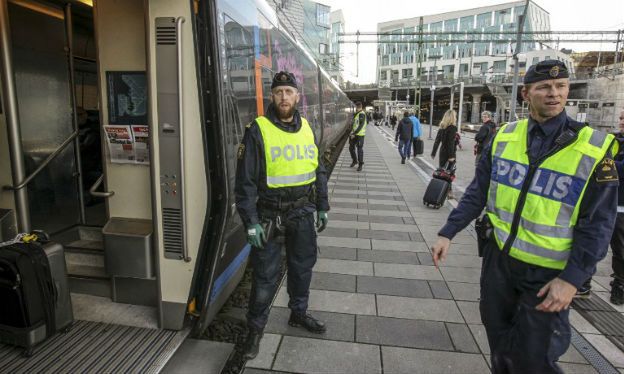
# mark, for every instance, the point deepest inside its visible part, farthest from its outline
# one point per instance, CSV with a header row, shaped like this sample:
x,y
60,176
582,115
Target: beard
x,y
285,113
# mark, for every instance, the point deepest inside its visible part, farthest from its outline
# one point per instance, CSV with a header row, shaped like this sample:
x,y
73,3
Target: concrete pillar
x,y
476,108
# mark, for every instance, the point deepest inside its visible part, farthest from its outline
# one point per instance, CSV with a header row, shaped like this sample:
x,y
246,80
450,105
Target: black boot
x,y
360,167
617,291
402,160
251,346
353,164
307,322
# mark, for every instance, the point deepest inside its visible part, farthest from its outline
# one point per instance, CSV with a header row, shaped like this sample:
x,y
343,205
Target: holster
x,y
485,230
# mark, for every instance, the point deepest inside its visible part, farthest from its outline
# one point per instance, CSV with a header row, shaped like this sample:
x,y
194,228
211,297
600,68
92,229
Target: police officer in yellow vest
x,y
549,188
280,183
356,138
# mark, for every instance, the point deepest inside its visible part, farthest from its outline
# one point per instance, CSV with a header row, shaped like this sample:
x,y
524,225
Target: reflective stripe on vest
x,y
550,212
291,157
356,123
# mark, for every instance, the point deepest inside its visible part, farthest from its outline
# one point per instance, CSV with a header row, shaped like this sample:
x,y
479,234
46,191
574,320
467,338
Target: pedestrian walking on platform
x,y
416,132
280,183
549,186
356,138
484,135
445,139
404,136
393,120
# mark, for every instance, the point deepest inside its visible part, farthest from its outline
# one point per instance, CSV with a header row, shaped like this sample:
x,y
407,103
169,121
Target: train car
x,y
119,126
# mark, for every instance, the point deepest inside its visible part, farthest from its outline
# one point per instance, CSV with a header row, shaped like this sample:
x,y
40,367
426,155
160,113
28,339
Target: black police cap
x,y
544,70
284,78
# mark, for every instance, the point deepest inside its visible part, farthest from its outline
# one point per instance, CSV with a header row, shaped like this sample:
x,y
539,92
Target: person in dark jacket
x,y
445,139
617,240
404,136
274,190
485,134
393,120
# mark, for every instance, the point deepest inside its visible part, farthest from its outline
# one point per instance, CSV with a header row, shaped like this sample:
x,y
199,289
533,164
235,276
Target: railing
x,y
45,163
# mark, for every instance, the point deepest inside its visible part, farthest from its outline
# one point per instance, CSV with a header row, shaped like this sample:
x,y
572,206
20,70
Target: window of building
x,y
547,58
323,48
407,73
322,15
466,23
383,75
502,16
484,20
395,59
499,66
535,61
463,70
385,60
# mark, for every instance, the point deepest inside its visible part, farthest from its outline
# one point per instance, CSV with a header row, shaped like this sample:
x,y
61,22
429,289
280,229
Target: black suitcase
x,y
34,293
436,192
419,147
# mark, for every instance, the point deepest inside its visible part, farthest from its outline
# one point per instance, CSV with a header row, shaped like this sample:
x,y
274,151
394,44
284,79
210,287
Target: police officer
x,y
617,240
280,183
356,139
550,191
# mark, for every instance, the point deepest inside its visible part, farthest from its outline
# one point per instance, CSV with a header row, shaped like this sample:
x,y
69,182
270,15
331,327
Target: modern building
x,y
334,59
452,60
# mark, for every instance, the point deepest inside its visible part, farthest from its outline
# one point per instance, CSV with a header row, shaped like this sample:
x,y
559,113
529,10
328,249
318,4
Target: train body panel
x,y
194,74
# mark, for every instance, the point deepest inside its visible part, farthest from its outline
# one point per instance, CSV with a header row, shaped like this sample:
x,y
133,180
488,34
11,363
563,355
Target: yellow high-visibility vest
x,y
553,194
291,157
356,123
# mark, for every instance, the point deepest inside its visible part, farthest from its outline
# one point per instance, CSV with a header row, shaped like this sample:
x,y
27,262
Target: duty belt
x,y
282,206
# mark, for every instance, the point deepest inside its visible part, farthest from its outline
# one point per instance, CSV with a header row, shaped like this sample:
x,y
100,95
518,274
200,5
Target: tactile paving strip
x,y
602,315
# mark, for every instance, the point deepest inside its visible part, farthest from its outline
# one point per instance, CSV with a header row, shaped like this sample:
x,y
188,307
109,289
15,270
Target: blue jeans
x,y
404,148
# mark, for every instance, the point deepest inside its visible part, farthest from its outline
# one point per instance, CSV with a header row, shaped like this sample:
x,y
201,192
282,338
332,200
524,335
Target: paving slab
x,y
418,308
394,227
388,213
577,368
394,257
383,235
403,333
344,242
339,326
462,338
338,233
407,271
334,301
341,217
470,312
333,282
268,350
465,275
394,287
398,245
337,253
581,324
352,224
347,210
465,291
304,355
607,349
381,219
440,290
343,266
410,361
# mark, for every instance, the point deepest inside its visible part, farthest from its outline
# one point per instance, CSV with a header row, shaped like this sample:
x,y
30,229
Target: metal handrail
x,y
179,22
95,186
43,164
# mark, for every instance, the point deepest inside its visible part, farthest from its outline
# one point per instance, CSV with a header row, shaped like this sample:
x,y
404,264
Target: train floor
x,y
387,308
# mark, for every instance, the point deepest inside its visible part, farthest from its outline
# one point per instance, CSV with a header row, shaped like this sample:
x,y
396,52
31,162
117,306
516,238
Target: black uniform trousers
x,y
617,246
522,339
357,142
301,249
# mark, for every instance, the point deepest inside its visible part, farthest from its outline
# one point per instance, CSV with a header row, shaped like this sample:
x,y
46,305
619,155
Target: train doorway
x,y
54,70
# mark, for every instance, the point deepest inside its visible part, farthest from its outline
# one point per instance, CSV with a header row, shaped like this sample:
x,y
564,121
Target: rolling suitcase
x,y
34,293
436,192
419,147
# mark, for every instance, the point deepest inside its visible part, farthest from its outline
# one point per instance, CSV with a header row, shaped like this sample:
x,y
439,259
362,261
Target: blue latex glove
x,y
321,221
256,236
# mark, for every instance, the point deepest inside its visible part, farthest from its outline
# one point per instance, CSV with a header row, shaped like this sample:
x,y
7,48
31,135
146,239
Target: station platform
x,y
387,308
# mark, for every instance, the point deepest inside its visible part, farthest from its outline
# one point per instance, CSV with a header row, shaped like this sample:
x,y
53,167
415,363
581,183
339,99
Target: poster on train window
x,y
127,97
120,144
141,144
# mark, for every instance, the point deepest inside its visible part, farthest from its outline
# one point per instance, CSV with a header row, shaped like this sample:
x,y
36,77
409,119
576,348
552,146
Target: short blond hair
x,y
450,118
